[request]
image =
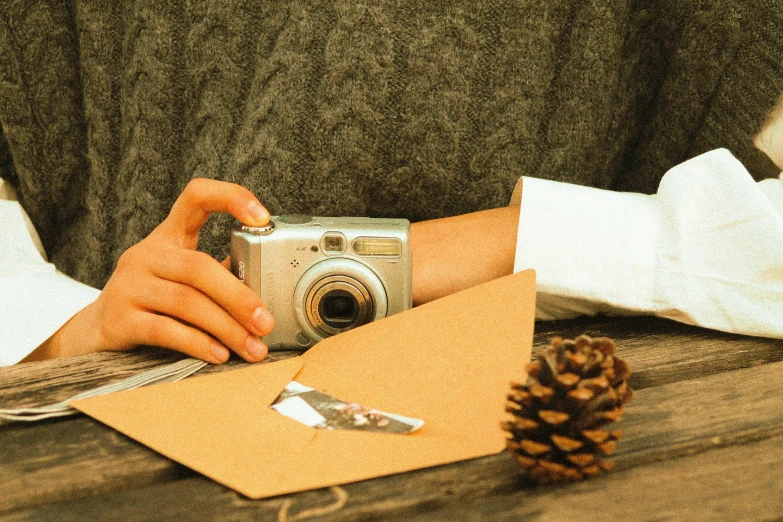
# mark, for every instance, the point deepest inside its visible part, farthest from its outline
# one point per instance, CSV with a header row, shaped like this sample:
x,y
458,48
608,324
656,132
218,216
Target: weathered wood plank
x,y
72,457
741,482
46,382
663,423
662,352
735,483
38,383
60,460
651,342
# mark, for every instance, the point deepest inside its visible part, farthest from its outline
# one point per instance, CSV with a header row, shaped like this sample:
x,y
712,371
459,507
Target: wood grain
x,y
734,483
740,483
662,352
663,424
61,460
76,456
46,382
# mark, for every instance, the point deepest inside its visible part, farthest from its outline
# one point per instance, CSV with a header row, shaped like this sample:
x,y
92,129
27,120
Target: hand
x,y
165,293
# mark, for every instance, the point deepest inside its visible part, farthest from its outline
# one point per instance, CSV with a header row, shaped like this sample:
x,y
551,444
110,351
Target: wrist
x,y
78,336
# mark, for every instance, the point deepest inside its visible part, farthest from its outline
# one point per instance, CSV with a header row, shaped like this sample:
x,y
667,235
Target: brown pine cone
x,y
574,388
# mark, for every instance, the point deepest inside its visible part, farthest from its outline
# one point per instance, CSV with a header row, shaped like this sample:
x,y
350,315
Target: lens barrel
x,y
338,303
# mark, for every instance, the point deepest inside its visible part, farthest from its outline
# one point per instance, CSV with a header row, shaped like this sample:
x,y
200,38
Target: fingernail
x,y
219,352
258,212
263,320
255,348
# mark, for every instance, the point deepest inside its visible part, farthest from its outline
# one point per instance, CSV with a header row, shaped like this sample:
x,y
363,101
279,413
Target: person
x,y
427,112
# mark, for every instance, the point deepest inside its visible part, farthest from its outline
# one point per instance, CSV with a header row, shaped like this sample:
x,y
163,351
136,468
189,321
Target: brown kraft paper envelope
x,y
448,362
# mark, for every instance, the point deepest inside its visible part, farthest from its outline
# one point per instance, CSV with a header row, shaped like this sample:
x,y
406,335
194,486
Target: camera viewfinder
x,y
334,244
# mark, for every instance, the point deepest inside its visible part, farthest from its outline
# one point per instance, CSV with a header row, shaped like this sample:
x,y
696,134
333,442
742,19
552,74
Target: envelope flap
x,y
449,361
169,416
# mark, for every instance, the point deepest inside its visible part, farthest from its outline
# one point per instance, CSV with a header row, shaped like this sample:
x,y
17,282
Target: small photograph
x,y
320,410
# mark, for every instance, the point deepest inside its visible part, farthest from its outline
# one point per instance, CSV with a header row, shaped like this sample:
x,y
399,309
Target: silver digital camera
x,y
321,276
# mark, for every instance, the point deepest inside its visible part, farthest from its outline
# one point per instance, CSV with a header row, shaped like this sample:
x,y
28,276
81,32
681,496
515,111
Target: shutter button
x,y
259,231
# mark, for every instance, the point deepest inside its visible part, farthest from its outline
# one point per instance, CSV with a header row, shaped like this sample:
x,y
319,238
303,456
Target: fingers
x,y
186,304
200,271
165,293
202,197
166,332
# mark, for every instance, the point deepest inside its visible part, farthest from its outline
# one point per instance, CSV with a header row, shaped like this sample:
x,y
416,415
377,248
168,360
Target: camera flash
x,y
377,246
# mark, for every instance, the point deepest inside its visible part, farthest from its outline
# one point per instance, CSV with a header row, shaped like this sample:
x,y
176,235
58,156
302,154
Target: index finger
x,y
202,197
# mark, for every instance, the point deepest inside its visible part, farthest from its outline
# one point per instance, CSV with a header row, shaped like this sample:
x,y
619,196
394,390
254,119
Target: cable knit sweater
x,y
414,109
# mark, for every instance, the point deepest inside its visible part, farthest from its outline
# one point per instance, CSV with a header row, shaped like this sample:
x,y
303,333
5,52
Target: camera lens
x,y
338,309
337,295
338,303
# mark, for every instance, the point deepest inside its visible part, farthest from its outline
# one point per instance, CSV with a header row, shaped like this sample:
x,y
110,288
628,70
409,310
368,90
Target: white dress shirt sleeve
x,y
707,249
35,299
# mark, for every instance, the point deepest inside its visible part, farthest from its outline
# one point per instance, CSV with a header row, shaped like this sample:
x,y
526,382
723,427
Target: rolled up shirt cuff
x,y
722,265
44,301
707,249
593,250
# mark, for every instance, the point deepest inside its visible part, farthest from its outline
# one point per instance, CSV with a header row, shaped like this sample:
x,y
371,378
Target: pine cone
x,y
574,388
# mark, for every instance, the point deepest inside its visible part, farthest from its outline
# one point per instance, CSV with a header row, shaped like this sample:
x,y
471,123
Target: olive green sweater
x,y
414,109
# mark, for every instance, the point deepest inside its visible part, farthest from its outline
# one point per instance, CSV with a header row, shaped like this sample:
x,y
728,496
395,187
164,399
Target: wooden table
x,y
702,439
